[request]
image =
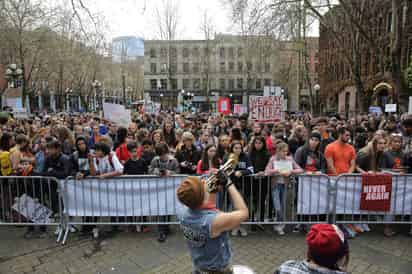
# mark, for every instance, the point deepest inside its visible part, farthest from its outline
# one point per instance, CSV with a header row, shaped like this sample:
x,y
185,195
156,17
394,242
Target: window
x,y
231,66
258,67
240,83
173,67
389,23
152,53
204,83
239,52
240,67
173,52
196,67
173,83
249,66
163,68
186,83
163,52
206,51
249,84
222,66
163,83
267,67
222,83
222,52
185,53
267,82
196,52
231,53
153,67
196,83
186,67
153,84
212,84
231,83
258,83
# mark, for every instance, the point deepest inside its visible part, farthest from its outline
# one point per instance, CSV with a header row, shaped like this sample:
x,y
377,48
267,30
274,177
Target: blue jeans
x,y
278,198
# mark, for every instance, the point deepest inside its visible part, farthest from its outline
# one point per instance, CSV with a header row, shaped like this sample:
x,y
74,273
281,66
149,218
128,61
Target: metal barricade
x,y
348,196
124,200
30,201
303,199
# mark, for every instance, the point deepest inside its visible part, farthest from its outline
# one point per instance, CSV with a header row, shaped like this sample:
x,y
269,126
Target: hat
x,y
315,134
191,192
187,136
326,244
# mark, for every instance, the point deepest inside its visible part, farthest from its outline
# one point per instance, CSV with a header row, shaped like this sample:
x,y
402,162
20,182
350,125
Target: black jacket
x,y
259,160
60,167
185,155
301,157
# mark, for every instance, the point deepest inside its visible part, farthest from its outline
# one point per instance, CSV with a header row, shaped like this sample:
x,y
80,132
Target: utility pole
x,y
299,45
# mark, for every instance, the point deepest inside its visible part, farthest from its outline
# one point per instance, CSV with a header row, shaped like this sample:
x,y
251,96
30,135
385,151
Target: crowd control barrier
x,y
151,200
30,201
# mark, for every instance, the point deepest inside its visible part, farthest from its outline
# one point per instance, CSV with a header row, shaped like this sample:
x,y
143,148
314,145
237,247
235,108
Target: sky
x,y
135,17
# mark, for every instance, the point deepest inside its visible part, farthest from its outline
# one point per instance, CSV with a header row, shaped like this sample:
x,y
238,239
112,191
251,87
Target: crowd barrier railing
x,y
151,200
30,201
348,196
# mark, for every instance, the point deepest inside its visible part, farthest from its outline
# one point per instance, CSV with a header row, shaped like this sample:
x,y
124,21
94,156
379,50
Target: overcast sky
x,y
135,17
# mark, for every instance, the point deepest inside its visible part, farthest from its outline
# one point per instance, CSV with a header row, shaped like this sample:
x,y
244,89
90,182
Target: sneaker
x,y
349,232
353,228
358,228
366,227
95,233
42,235
72,229
279,229
235,232
296,229
29,234
58,230
146,229
139,228
243,232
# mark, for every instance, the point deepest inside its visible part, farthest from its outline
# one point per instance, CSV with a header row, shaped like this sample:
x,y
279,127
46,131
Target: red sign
x,y
266,109
223,105
376,192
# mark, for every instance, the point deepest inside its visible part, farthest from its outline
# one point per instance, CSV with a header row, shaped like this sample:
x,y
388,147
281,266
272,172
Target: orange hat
x,y
191,192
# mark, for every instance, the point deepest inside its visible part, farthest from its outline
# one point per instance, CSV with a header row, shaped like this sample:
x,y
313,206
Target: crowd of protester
x,y
165,143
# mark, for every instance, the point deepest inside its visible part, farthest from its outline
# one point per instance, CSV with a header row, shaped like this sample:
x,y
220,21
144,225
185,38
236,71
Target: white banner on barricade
x,y
146,196
312,195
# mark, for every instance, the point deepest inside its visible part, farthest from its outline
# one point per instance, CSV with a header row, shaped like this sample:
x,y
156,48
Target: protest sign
x,y
223,105
266,109
117,114
376,192
20,113
32,210
239,109
390,108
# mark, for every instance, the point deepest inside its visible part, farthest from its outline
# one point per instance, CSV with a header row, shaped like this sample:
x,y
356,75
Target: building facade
x,y
229,65
338,88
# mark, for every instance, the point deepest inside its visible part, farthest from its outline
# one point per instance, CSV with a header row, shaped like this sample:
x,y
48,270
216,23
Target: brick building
x,y
338,89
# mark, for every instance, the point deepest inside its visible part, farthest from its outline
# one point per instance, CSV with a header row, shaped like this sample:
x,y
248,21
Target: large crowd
x,y
165,143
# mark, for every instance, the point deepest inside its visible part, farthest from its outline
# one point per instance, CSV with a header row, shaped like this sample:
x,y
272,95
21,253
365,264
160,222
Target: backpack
x,y
5,163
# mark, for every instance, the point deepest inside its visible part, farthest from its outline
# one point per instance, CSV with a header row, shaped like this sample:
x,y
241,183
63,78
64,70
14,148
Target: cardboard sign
x,y
390,108
374,109
223,105
266,109
32,210
410,105
376,192
117,114
239,109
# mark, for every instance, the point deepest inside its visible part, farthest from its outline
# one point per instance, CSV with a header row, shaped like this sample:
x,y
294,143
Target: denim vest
x,y
207,253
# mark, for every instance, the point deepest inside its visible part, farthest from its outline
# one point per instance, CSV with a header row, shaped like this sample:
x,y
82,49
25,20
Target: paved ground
x,y
141,253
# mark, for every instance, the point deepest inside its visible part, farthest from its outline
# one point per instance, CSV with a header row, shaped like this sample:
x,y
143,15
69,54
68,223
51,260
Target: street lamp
x,y
68,92
12,74
97,85
316,88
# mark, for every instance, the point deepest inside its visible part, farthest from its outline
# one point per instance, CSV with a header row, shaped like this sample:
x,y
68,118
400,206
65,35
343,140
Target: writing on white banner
x,y
313,197
146,196
239,109
266,109
32,210
117,114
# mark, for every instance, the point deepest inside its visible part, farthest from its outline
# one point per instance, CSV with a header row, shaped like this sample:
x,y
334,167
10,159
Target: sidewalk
x,y
140,253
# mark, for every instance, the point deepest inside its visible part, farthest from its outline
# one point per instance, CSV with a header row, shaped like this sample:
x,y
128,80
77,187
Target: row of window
x,y
223,67
195,52
223,84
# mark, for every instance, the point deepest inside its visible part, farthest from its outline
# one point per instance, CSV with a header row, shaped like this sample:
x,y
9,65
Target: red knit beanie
x,y
326,244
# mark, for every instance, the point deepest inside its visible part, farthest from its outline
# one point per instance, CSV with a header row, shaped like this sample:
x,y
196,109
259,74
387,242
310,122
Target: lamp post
x,y
12,74
96,85
316,88
68,93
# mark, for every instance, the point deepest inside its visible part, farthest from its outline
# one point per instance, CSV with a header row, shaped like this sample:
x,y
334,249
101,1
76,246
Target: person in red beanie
x,y
328,253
